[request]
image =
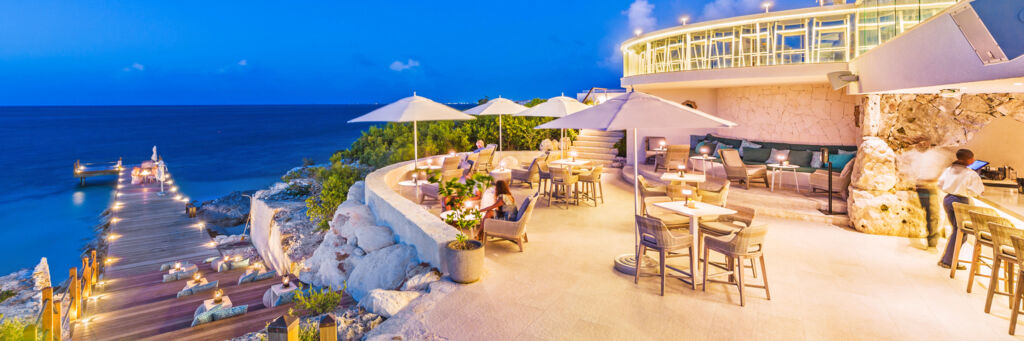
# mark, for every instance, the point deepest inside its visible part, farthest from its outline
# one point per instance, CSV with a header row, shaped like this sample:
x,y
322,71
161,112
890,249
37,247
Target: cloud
x,y
134,67
399,66
719,9
640,15
243,62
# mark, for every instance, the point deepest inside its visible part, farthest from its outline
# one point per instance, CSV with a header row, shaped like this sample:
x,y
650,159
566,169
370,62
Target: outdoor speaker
x,y
992,27
841,79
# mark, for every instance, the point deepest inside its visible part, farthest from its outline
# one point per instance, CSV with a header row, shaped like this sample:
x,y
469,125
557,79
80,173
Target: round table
x,y
502,174
704,162
778,169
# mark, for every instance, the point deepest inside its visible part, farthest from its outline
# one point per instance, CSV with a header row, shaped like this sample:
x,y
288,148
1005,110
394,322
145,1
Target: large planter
x,y
465,266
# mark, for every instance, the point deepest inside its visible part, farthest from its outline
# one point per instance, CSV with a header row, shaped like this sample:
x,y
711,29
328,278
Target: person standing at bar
x,y
960,183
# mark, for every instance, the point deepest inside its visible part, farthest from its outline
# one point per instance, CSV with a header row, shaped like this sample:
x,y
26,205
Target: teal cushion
x,y
800,157
265,275
185,292
224,313
205,287
249,277
756,155
285,298
839,161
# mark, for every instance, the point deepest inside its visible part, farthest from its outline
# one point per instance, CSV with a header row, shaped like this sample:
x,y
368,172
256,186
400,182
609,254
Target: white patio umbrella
x,y
413,109
638,110
498,106
560,106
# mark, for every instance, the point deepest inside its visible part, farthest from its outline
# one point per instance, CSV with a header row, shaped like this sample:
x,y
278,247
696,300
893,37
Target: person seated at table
x,y
471,157
504,206
480,146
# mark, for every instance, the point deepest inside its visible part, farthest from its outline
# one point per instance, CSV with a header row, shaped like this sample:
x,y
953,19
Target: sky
x,y
84,52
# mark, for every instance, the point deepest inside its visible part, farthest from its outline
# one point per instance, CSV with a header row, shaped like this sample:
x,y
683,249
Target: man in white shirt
x,y
960,183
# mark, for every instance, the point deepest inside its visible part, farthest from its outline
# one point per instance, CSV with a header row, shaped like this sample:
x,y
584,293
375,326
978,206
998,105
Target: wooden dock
x,y
88,170
132,303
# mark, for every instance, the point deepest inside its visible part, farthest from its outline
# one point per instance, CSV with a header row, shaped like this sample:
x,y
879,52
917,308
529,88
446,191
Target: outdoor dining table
x,y
225,302
570,162
271,295
777,171
685,178
704,159
700,209
500,174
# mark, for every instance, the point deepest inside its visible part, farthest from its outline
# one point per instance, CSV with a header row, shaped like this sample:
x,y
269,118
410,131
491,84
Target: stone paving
x,y
827,283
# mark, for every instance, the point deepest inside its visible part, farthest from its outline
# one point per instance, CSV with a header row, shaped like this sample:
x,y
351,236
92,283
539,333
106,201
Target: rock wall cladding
x,y
806,113
902,136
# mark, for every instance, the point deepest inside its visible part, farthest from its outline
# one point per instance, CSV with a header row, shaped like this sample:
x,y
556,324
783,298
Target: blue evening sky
x,y
265,52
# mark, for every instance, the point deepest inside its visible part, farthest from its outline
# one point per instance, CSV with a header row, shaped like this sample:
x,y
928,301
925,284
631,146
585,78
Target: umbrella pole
x,y
415,145
499,133
636,195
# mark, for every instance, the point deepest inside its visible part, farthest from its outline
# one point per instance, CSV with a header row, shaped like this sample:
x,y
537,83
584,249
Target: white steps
x,y
598,146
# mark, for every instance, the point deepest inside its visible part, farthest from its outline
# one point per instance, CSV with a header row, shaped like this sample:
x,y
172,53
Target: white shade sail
x,y
560,106
641,111
412,109
497,106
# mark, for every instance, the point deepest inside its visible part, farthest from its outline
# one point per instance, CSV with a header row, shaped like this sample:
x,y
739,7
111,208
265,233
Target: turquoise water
x,y
211,150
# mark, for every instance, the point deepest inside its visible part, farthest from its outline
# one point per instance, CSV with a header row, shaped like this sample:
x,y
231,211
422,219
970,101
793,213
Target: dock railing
x,y
66,304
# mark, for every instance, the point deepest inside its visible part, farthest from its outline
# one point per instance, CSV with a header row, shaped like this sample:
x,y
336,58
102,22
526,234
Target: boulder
x,y
229,210
350,216
387,303
421,281
357,192
381,269
372,237
875,167
893,213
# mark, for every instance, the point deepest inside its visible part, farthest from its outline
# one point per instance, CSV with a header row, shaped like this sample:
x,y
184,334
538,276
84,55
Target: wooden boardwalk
x,y
134,304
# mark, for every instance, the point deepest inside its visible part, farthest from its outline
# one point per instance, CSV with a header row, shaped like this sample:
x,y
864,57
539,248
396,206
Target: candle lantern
x,y
573,154
197,277
285,281
704,151
688,193
682,169
177,266
218,296
661,145
782,160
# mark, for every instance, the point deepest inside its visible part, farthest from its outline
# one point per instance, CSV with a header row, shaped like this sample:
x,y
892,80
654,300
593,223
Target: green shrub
x,y
335,182
4,295
309,332
12,328
318,301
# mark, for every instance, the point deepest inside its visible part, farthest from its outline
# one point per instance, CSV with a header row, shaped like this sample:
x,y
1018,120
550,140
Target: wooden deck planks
x,y
135,304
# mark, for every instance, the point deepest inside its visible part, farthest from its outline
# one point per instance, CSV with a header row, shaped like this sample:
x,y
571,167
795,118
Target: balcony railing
x,y
823,34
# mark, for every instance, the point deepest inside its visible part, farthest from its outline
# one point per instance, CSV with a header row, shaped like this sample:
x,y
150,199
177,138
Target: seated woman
x,y
504,207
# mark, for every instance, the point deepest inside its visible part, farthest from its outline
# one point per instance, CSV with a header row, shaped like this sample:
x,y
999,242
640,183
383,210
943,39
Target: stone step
x,y
594,144
593,138
591,156
592,132
596,150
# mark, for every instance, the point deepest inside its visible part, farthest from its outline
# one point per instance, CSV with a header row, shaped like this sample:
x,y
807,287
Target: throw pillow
x,y
839,161
816,160
756,155
847,152
778,154
747,144
800,158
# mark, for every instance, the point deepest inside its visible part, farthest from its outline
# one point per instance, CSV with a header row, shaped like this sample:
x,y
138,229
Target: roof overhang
x,y
735,77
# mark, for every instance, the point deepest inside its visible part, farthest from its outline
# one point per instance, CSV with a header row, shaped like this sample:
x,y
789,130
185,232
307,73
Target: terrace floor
x,y
827,283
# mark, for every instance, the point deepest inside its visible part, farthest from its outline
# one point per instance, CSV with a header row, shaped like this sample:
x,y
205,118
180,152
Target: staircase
x,y
598,146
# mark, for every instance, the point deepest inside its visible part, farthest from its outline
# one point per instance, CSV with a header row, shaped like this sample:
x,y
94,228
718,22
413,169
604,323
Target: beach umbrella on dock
x,y
413,109
498,106
559,106
638,110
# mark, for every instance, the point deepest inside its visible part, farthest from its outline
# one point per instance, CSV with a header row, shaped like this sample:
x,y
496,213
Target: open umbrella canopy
x,y
640,111
412,109
560,106
497,106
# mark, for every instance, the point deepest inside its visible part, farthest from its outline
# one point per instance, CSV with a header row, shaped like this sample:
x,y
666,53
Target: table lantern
x,y
782,160
682,170
704,151
286,282
197,277
661,145
218,296
177,266
688,193
573,154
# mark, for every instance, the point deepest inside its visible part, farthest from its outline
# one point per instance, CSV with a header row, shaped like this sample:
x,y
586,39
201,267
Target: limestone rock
x,y
348,217
229,210
422,280
388,302
894,213
875,167
357,192
372,237
381,269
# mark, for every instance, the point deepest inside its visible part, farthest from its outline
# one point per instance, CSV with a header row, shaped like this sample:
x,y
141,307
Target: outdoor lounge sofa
x,y
805,156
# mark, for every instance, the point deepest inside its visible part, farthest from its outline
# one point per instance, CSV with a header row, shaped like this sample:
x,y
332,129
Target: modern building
x,y
916,79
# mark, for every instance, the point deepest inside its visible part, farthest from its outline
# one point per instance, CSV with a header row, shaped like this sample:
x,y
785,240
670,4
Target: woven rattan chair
x,y
654,235
747,243
483,161
736,170
651,146
676,155
528,175
1003,255
514,231
714,191
963,225
1018,246
563,184
592,187
983,238
544,174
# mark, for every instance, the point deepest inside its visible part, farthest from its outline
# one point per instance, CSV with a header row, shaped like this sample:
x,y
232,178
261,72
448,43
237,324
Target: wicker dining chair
x,y
736,170
544,177
654,235
1003,255
1018,246
529,175
676,155
563,184
514,231
747,243
592,187
983,238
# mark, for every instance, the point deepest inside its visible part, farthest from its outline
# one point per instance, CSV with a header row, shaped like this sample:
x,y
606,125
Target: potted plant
x,y
465,256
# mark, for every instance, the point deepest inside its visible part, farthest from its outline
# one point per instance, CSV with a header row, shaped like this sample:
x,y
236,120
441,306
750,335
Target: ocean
x,y
210,150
